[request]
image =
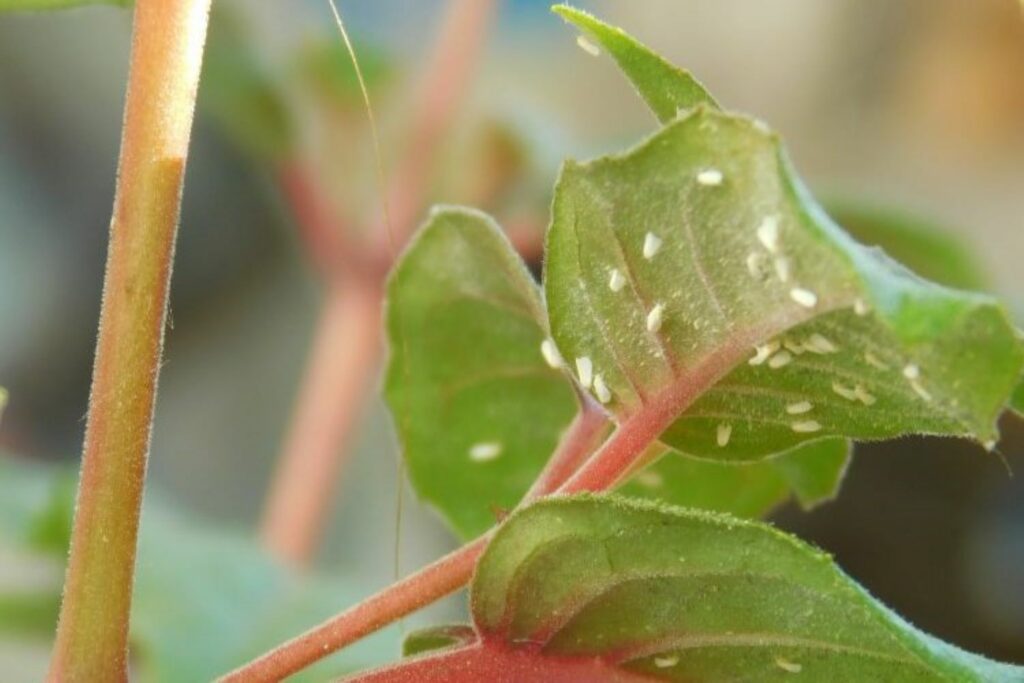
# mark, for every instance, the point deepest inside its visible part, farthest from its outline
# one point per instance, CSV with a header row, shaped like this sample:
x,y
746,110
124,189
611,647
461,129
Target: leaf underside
x,y
616,590
694,270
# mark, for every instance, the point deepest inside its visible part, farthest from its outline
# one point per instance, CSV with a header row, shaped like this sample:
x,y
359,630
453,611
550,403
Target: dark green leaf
x,y
437,638
665,87
717,249
926,249
477,409
683,595
812,472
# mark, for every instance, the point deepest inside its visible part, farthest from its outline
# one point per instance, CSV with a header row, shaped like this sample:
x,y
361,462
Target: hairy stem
x,y
394,602
426,586
343,362
166,53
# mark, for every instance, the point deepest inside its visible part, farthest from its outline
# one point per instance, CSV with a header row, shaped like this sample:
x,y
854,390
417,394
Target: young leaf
x,y
477,409
668,265
665,87
435,638
812,472
602,589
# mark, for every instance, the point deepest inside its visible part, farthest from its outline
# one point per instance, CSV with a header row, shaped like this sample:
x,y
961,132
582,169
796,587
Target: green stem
x,y
166,53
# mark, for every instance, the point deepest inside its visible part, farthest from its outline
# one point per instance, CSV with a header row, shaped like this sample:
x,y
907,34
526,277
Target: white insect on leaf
x,y
805,426
710,177
874,361
768,233
762,352
849,393
649,479
551,355
864,396
860,307
793,346
780,360
788,666
911,371
722,434
601,389
616,281
652,243
756,265
585,371
799,408
782,269
820,344
588,46
484,451
666,662
804,297
655,318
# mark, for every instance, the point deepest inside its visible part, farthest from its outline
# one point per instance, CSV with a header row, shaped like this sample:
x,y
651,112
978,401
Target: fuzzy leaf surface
x,y
477,409
601,589
874,350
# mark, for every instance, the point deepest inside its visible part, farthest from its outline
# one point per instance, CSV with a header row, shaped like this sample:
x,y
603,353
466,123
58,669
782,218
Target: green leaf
x,y
683,595
206,599
1017,400
435,638
39,5
240,94
927,249
325,67
812,472
715,248
477,409
665,87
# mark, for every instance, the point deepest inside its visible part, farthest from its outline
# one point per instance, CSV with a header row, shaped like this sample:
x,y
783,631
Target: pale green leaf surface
x,y
682,595
477,410
665,87
720,294
205,599
812,472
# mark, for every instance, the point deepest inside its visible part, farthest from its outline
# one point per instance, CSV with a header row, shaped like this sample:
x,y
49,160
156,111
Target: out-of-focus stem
x,y
456,53
166,54
341,366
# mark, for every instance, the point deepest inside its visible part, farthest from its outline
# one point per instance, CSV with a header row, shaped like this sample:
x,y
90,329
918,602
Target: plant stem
x,y
425,586
394,602
166,54
447,76
342,364
347,344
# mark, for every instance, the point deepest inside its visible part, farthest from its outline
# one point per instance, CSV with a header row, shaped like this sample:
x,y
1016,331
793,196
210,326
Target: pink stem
x,y
343,362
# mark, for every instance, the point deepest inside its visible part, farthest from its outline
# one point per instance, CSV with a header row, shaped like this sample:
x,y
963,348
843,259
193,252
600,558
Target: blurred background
x,y
909,103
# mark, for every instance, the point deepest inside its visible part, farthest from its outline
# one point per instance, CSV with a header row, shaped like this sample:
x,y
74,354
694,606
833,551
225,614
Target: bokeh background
x,y
912,103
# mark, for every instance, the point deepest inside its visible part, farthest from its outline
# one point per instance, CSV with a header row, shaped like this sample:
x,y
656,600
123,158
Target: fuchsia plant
x,y
699,312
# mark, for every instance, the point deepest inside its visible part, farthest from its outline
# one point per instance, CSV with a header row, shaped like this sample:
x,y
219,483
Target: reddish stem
x,y
425,586
321,233
495,661
394,602
440,92
342,363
